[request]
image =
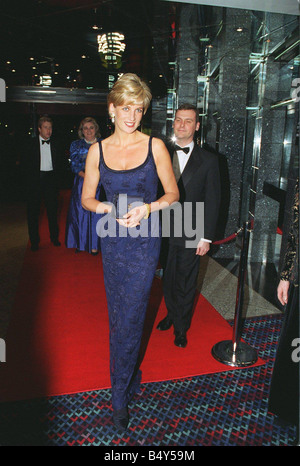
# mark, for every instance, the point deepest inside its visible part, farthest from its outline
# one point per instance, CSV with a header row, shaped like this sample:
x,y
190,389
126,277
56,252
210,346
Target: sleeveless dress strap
x,y
150,153
100,152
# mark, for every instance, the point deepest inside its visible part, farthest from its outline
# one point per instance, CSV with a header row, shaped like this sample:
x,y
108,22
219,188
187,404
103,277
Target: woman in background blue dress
x,y
81,225
128,163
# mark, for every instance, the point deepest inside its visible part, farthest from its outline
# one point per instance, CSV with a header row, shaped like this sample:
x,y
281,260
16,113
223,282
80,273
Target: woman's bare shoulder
x,y
158,146
158,143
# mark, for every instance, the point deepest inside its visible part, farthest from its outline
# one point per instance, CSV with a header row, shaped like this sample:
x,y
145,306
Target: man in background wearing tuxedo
x,y
197,174
41,166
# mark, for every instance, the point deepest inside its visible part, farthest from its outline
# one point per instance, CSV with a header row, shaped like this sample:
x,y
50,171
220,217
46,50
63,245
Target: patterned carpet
x,y
225,409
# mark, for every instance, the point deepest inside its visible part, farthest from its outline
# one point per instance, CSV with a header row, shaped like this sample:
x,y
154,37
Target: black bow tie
x,y
185,149
48,141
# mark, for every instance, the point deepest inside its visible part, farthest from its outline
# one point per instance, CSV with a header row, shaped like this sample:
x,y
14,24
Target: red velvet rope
x,y
229,238
234,235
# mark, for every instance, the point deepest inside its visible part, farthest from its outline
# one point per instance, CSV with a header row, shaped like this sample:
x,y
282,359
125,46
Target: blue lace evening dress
x,y
129,264
81,224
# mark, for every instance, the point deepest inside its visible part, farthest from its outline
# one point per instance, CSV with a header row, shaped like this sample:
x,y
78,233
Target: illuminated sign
x,y
45,80
110,48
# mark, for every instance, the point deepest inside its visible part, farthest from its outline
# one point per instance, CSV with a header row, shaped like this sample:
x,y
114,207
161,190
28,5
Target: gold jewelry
x,y
148,211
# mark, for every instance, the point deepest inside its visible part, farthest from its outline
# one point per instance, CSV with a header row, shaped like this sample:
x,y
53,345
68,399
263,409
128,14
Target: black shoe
x,y
165,324
94,253
56,242
180,339
34,247
121,419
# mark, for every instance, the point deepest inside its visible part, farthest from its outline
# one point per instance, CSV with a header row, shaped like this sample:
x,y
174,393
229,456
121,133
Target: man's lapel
x,y
53,154
38,152
192,165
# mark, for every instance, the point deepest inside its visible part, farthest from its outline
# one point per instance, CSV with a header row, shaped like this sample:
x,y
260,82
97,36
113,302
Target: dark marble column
x,y
230,109
188,55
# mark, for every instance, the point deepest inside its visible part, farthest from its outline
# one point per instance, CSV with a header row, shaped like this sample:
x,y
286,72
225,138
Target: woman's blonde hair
x,y
88,120
130,89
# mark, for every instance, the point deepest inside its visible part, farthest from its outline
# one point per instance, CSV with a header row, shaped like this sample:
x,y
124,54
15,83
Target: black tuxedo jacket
x,y
199,182
31,161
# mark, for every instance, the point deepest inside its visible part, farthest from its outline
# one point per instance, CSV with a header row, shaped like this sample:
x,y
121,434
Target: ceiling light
x,y
111,43
45,80
111,48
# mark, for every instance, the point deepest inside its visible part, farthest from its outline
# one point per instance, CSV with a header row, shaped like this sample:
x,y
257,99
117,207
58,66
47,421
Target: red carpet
x,y
57,341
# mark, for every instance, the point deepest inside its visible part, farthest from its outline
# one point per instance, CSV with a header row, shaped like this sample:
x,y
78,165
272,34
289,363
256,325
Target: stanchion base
x,y
243,356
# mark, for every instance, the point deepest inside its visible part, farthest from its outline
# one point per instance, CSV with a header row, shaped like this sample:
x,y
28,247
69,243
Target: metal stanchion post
x,y
236,352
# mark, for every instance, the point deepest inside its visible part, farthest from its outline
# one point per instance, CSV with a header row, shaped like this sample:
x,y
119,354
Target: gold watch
x,y
148,211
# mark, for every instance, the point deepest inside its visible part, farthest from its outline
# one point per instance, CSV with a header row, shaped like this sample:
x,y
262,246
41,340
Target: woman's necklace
x,y
91,142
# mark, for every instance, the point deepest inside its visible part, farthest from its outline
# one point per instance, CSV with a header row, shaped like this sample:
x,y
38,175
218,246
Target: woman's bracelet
x,y
148,211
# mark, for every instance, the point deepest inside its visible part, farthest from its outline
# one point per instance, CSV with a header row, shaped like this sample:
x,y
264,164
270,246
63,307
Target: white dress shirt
x,y
183,157
46,159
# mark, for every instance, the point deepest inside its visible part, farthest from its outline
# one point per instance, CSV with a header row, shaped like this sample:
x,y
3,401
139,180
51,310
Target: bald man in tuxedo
x,y
197,174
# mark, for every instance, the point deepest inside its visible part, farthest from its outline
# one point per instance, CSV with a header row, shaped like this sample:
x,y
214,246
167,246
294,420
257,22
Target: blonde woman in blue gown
x,y
128,162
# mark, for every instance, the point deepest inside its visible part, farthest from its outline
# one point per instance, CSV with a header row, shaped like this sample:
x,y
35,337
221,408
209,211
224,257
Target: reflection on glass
x,y
287,145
